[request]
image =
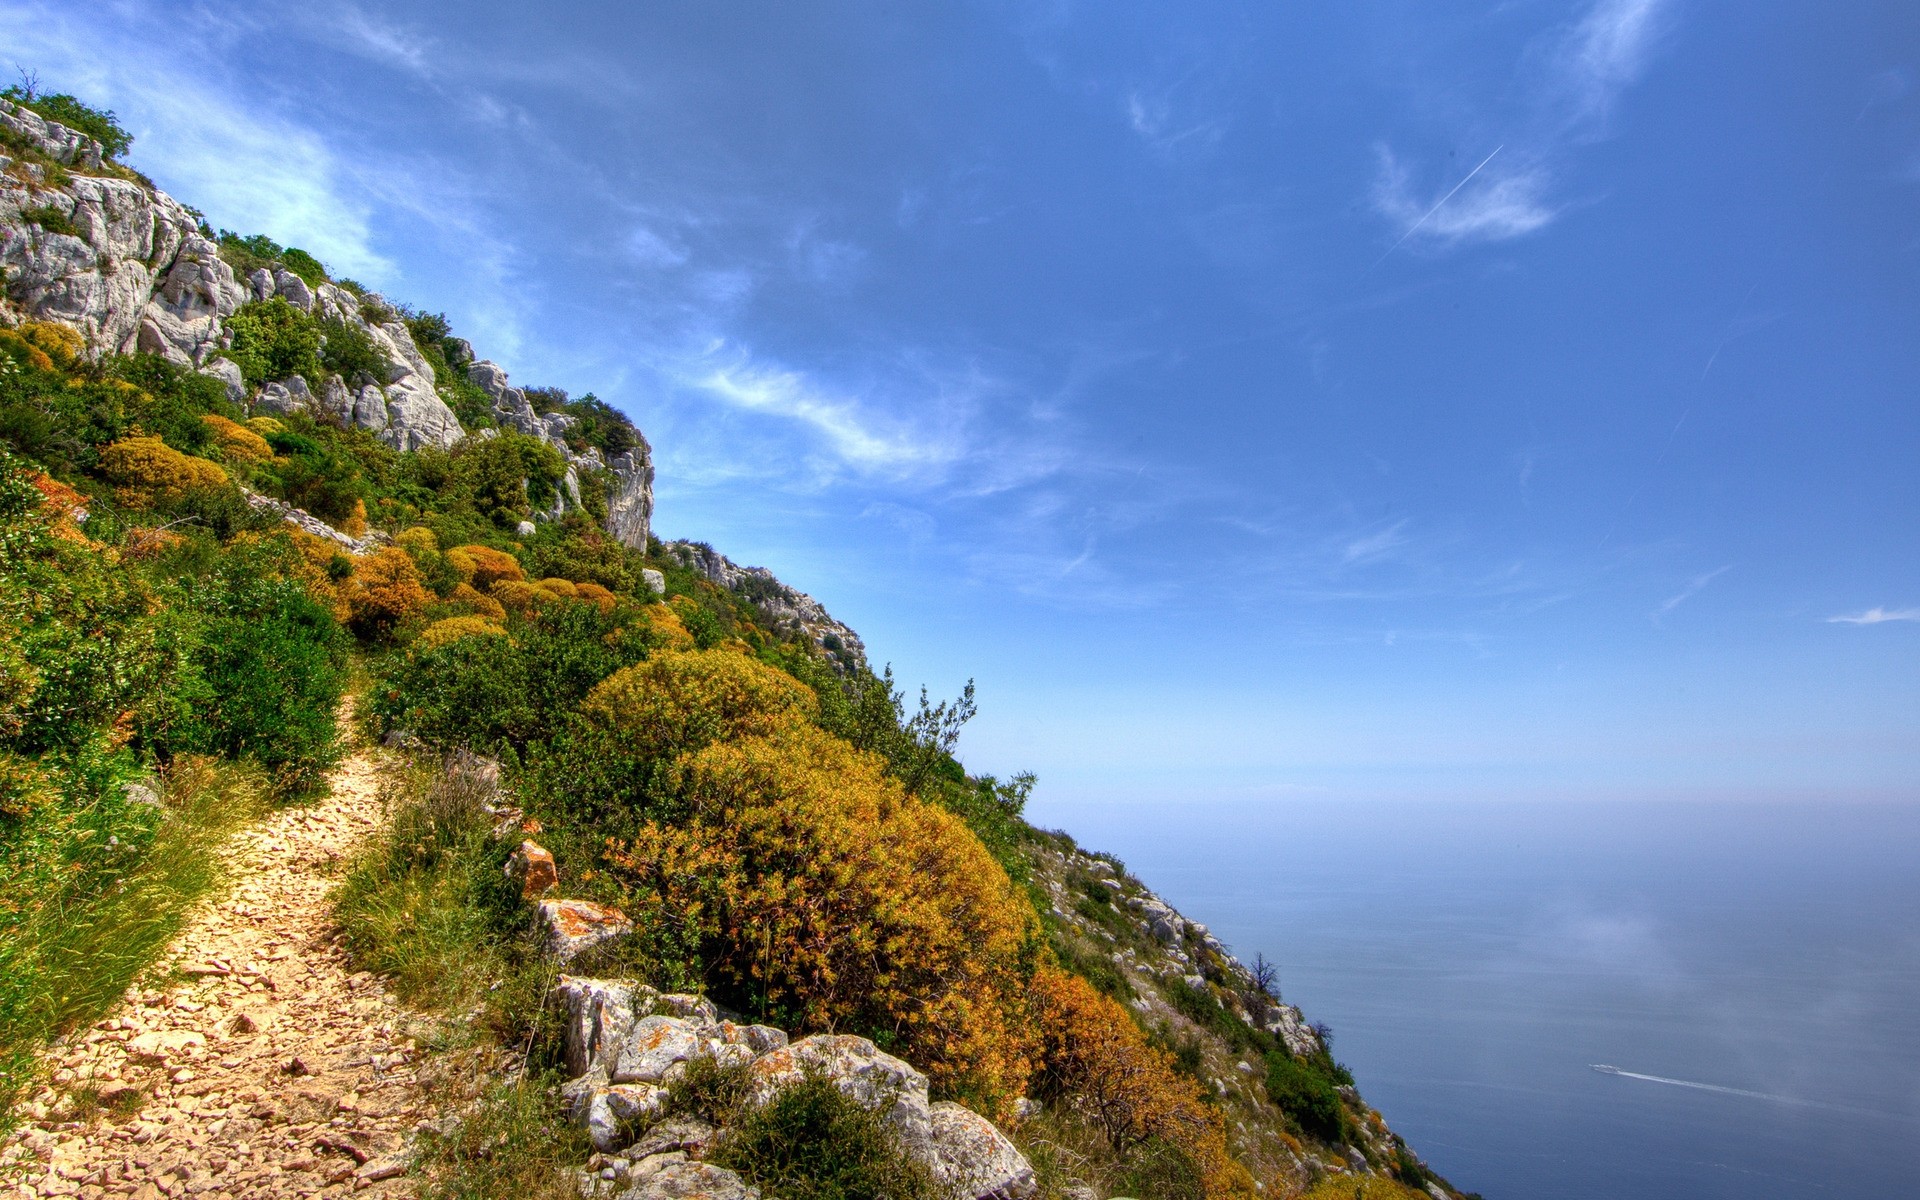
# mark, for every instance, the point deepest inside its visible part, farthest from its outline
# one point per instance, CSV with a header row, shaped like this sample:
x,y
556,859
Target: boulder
x,y
654,581
600,1015
284,397
228,372
610,1112
531,866
654,1046
974,1160
690,1135
575,926
292,289
861,1070
685,1180
758,1038
458,351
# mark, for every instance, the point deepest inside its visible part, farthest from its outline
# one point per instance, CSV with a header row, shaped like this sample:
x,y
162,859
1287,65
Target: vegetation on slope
x,y
789,834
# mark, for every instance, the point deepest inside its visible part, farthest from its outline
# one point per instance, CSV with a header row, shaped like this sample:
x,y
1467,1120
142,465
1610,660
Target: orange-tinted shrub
x,y
452,629
1363,1187
563,588
596,594
1095,1062
354,524
236,441
383,591
61,343
483,566
480,605
517,595
821,886
149,472
678,703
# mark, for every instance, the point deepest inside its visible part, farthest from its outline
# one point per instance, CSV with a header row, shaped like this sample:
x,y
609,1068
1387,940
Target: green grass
x,y
427,907
73,957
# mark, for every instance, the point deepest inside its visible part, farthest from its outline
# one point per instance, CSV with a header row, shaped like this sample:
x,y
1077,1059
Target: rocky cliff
x,y
89,243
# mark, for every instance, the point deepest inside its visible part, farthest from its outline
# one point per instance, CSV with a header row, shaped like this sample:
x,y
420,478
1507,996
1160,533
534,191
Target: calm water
x,y
1474,959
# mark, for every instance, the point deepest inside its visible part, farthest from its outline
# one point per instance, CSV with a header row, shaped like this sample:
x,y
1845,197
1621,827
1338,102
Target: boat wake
x,y
1609,1069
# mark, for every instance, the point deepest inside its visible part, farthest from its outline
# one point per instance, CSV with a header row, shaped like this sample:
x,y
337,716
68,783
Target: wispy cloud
x,y
1154,119
1580,72
266,173
1374,546
1694,587
1877,616
853,435
1500,205
1604,53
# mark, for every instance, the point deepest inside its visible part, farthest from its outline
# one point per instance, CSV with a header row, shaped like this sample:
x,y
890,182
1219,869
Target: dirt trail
x,y
252,1061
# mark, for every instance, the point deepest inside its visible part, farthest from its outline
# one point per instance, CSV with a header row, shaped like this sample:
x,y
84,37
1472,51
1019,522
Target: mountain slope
x,y
200,395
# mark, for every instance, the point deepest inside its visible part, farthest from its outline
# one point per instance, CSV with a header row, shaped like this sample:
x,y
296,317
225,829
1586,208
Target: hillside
x,y
234,487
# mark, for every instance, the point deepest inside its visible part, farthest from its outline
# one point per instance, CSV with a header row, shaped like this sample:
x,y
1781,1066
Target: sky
x,y
1259,401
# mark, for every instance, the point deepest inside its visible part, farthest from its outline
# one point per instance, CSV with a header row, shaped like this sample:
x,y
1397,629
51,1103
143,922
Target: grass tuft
x,y
73,957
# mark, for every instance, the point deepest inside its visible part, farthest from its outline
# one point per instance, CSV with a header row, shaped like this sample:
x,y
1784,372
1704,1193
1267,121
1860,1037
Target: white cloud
x,y
1585,68
851,434
1877,616
1152,118
1607,51
1493,206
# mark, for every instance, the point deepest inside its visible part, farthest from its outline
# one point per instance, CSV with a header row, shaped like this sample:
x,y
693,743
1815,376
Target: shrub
x,y
485,606
483,566
1306,1095
681,703
305,265
236,441
452,629
814,1142
384,591
1095,1062
273,340
100,124
50,218
348,352
149,472
820,893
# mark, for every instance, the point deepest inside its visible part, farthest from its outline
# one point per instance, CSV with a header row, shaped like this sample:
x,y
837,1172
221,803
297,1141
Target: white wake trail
x,y
1607,1069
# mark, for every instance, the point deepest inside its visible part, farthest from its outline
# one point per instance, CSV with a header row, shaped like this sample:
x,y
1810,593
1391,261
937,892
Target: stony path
x,y
252,1062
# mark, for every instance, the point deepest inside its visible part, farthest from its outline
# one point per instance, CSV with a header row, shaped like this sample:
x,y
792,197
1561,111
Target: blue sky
x,y
1405,399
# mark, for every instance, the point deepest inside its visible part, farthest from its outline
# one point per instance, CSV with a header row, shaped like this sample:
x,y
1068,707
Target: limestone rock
x,y
51,138
688,1134
610,1113
575,926
758,1038
862,1071
974,1160
654,580
228,372
526,529
284,397
788,608
458,351
532,867
600,1015
690,1181
653,1047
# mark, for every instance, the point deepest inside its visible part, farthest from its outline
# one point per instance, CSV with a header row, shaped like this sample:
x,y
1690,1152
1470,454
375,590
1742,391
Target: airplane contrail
x,y
1436,208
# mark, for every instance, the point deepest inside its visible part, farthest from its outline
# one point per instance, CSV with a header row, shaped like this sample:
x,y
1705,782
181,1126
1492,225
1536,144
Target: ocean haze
x,y
1475,959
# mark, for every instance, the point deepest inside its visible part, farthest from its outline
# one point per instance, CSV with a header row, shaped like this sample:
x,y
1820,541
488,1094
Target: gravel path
x,y
252,1061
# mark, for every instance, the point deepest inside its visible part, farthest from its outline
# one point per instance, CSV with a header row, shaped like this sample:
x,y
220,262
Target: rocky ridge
x,y
790,609
96,246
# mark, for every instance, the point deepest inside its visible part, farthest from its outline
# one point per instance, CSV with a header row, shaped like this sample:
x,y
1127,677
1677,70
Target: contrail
x,y
1436,208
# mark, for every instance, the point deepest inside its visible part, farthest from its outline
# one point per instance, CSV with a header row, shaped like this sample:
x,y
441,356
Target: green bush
x,y
102,125
248,254
1306,1094
305,265
348,352
813,1142
273,340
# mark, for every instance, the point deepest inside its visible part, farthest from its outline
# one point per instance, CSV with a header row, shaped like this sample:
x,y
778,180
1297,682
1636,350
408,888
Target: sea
x,y
1749,971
